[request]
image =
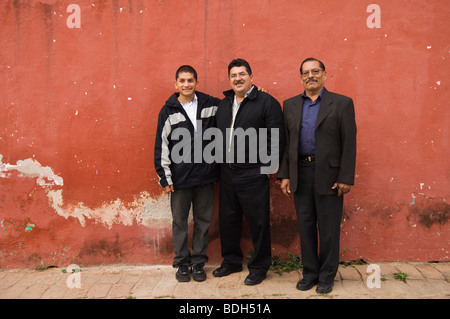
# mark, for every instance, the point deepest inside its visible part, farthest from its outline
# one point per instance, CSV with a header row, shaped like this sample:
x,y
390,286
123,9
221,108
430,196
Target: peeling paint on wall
x,y
31,168
149,212
144,210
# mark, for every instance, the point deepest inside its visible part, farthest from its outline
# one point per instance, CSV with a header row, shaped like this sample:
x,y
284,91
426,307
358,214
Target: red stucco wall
x,y
78,110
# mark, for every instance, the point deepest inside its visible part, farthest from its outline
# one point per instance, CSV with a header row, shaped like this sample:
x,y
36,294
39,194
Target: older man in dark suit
x,y
318,168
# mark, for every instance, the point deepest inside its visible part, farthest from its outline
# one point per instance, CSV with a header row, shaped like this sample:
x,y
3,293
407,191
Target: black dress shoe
x,y
324,288
182,274
225,270
304,285
254,279
198,272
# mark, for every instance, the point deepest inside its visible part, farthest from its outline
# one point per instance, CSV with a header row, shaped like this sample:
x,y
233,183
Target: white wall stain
x,y
144,210
32,168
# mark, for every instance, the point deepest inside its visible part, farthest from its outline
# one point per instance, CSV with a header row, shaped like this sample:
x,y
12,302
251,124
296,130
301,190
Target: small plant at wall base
x,y
290,263
401,276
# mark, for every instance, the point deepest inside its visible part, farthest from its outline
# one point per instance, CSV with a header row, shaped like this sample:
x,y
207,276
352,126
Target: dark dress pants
x,y
202,200
319,218
245,191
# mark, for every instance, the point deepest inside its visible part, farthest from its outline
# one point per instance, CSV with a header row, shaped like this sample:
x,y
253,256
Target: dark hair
x,y
238,63
187,69
312,59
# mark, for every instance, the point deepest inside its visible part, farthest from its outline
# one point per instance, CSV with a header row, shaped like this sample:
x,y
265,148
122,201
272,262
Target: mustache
x,y
238,82
311,80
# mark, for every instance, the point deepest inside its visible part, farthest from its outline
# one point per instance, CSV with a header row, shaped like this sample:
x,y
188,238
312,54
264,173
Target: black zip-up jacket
x,y
187,173
259,110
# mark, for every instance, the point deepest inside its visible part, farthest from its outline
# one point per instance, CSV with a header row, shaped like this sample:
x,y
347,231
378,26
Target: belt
x,y
308,158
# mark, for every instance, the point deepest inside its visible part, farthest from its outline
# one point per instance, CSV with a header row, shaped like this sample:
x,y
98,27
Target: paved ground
x,y
424,281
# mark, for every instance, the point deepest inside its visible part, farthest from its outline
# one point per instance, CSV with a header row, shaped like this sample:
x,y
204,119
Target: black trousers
x,y
202,200
319,218
245,191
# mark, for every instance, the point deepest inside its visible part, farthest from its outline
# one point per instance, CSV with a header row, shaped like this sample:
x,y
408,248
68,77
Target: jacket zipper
x,y
231,122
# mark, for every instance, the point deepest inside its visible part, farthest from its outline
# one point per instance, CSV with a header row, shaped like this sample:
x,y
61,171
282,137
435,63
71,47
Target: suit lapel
x,y
297,111
325,107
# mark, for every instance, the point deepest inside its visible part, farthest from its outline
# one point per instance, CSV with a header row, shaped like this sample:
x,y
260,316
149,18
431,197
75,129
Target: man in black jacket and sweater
x,y
182,171
246,114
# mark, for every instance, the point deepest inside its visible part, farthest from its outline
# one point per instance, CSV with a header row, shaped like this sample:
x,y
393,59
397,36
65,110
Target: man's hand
x,y
286,186
168,189
342,188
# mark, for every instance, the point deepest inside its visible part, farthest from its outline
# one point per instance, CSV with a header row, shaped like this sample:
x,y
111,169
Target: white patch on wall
x,y
31,168
144,210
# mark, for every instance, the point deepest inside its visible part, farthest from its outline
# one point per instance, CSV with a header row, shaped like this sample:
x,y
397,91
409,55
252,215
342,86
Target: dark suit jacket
x,y
335,142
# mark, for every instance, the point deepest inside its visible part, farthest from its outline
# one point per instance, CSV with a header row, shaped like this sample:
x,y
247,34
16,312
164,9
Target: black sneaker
x,y
182,274
198,272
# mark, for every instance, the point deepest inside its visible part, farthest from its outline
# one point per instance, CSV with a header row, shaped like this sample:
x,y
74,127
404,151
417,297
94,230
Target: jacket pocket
x,y
335,163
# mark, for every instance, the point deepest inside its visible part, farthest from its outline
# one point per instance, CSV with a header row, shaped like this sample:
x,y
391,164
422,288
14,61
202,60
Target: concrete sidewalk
x,y
424,281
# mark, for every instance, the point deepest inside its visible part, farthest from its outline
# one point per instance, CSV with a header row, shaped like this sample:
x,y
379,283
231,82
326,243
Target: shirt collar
x,y
245,95
194,100
249,91
320,95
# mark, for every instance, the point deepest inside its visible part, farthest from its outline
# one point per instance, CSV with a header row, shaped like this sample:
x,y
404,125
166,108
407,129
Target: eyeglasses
x,y
314,72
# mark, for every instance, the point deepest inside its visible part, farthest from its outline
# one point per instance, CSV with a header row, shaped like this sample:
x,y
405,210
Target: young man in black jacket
x,y
246,114
182,171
